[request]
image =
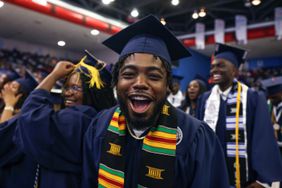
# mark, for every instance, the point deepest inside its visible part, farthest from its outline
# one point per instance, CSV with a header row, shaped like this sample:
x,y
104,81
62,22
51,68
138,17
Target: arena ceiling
x,y
25,25
179,18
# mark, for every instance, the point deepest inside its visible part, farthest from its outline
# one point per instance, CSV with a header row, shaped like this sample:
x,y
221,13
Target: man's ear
x,y
235,72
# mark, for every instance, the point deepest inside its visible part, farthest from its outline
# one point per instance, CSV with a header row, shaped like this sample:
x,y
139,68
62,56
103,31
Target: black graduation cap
x,y
235,55
91,59
272,85
148,35
12,75
90,66
176,78
28,83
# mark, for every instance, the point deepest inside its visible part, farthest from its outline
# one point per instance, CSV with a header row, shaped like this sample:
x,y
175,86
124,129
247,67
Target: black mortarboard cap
x,y
90,66
28,83
91,59
148,35
234,55
176,77
12,75
272,85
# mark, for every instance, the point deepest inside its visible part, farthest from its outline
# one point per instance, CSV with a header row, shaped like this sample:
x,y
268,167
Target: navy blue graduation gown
x,y
264,161
199,156
53,139
16,170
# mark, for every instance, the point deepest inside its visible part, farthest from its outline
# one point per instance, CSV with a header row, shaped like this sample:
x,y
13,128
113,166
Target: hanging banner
x,y
219,26
200,36
241,29
278,22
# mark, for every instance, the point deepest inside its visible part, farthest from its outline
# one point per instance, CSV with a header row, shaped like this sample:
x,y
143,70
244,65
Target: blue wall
x,y
189,67
264,63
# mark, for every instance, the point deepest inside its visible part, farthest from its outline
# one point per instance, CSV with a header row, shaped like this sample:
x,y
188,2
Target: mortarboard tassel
x,y
94,75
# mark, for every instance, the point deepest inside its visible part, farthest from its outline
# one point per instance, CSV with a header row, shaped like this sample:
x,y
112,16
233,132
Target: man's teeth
x,y
216,76
139,98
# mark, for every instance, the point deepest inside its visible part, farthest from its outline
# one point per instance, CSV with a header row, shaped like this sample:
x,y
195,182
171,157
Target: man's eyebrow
x,y
150,68
153,68
128,67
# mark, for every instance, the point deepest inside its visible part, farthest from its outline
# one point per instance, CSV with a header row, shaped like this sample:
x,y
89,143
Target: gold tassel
x,y
95,79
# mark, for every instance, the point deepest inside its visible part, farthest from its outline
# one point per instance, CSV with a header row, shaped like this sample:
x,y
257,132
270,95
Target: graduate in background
x,y
273,88
175,96
14,94
12,170
194,90
145,141
35,158
7,76
240,118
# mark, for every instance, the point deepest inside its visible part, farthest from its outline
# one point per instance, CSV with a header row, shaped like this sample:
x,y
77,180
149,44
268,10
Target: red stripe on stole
x,y
159,139
114,119
119,121
110,181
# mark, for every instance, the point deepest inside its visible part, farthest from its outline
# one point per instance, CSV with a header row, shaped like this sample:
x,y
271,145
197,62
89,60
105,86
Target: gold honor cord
x,y
238,182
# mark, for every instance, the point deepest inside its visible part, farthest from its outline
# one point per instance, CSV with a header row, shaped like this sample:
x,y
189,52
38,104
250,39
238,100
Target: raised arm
x,y
53,139
62,69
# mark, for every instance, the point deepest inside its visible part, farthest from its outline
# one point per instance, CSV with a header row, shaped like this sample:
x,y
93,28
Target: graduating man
x,y
240,118
145,141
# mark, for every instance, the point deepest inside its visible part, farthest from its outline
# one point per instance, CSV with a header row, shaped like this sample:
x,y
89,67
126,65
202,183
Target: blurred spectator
x,y
194,89
175,97
273,89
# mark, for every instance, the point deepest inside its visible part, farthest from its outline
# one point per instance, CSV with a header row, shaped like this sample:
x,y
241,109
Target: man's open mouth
x,y
140,104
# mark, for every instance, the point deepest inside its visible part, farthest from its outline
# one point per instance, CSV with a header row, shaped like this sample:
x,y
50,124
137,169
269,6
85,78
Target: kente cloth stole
x,y
236,136
157,161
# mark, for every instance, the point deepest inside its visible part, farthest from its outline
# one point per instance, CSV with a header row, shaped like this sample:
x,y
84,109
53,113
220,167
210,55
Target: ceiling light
x,y
174,2
202,12
107,2
95,32
134,13
163,21
41,2
1,4
61,43
195,15
256,2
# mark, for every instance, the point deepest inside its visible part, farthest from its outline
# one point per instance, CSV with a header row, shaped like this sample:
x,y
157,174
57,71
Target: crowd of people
x,y
147,135
253,78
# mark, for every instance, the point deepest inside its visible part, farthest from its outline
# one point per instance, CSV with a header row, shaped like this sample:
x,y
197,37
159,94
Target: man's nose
x,y
140,82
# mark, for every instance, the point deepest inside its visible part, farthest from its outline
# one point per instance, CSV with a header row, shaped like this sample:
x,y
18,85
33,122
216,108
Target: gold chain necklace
x,y
137,138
